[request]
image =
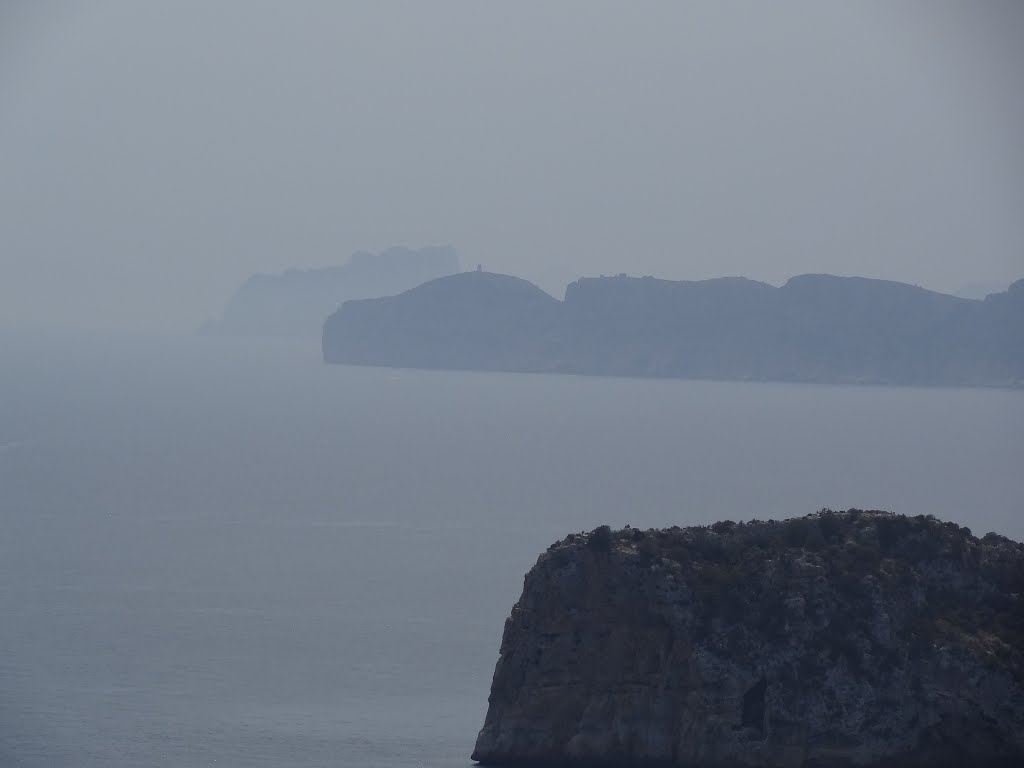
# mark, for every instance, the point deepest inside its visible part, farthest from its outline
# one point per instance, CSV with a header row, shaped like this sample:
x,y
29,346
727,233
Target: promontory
x,y
815,328
294,303
856,638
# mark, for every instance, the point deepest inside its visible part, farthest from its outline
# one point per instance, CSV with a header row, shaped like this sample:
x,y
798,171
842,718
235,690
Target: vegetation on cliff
x,y
840,638
966,590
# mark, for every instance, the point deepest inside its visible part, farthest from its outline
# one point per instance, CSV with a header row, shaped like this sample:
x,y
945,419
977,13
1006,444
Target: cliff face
x,y
839,639
815,328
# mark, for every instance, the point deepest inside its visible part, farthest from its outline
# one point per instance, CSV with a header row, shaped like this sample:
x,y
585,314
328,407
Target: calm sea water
x,y
222,554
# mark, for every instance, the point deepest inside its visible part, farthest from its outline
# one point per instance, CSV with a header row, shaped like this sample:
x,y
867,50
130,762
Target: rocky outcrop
x,y
838,639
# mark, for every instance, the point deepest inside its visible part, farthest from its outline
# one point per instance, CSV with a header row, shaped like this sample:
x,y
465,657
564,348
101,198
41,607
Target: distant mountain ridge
x,y
297,301
815,328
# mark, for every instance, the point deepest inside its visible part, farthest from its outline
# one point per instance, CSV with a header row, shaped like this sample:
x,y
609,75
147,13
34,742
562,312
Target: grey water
x,y
228,554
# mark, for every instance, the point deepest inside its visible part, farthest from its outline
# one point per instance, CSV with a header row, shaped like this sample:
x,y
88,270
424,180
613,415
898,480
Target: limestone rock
x,y
837,639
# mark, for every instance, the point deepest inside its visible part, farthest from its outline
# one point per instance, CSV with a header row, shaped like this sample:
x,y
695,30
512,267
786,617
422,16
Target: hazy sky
x,y
152,155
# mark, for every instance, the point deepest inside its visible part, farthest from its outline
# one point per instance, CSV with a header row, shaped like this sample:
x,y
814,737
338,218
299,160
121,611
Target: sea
x,y
222,553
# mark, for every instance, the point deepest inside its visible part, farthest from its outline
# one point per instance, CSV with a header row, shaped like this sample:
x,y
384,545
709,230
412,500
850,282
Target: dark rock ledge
x,y
838,639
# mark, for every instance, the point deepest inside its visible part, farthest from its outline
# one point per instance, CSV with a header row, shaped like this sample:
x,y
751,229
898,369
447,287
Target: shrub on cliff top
x,y
600,539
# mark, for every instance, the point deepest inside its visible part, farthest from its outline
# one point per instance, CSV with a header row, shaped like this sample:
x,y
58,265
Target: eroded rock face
x,y
838,639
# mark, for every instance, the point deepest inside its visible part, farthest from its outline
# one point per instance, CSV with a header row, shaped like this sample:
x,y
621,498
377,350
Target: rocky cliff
x,y
838,639
815,328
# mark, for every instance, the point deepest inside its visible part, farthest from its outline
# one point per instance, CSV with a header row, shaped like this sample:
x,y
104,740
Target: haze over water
x,y
222,554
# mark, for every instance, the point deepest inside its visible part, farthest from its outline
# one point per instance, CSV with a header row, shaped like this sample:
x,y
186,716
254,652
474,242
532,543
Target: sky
x,y
153,155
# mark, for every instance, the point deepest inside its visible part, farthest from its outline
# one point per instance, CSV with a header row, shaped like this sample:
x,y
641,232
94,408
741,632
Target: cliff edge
x,y
838,639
